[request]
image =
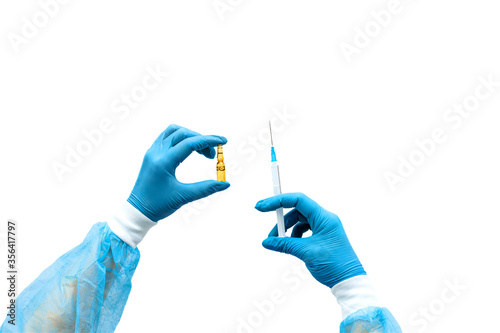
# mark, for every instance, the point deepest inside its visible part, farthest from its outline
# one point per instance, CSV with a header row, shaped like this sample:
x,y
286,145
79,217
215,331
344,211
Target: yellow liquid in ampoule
x,y
221,167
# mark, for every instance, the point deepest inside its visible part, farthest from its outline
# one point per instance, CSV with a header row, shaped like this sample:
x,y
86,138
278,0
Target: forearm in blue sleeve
x,y
361,309
85,290
370,319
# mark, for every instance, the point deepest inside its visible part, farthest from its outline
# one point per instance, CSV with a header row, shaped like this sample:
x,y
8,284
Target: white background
x,y
203,268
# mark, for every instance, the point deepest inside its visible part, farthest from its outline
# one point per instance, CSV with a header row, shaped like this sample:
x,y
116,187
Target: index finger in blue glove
x,y
196,143
184,133
166,133
306,206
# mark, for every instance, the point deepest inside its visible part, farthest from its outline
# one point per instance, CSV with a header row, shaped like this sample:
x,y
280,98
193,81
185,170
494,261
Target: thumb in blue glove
x,y
157,192
327,253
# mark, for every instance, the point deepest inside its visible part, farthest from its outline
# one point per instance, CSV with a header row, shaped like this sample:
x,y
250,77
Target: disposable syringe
x,y
277,186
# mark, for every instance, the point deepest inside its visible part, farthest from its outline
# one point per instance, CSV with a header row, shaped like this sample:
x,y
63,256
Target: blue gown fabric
x,y
86,290
370,319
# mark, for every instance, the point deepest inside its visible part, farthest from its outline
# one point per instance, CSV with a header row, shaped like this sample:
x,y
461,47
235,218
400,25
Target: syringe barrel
x,y
275,172
277,190
281,222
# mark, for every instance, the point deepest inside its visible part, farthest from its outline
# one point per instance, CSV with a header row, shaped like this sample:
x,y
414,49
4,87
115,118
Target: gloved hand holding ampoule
x,y
157,192
86,289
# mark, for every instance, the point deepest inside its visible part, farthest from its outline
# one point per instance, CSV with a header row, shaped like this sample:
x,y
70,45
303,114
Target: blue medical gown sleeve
x,y
370,319
85,290
361,309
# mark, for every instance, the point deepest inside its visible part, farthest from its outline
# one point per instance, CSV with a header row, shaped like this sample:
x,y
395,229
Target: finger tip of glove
x,y
270,243
210,154
222,139
265,243
221,186
262,204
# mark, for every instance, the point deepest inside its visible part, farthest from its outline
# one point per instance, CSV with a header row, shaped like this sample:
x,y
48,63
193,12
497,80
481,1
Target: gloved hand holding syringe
x,y
275,171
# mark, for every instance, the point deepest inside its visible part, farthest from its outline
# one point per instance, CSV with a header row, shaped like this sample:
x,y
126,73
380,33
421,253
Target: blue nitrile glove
x,y
328,255
157,193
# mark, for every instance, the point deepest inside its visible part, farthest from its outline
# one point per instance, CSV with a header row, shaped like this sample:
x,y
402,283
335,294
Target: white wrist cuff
x,y
130,225
354,294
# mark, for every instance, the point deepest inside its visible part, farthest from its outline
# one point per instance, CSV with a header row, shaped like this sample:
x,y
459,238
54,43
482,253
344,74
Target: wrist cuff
x,y
354,294
130,225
